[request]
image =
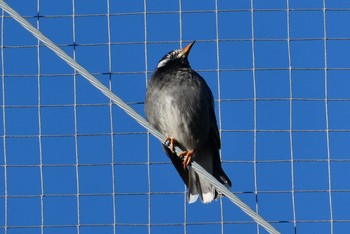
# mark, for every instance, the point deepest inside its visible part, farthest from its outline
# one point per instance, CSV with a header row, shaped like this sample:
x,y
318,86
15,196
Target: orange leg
x,y
172,143
187,159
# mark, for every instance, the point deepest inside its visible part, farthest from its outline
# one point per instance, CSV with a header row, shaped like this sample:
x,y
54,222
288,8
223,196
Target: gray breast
x,y
180,110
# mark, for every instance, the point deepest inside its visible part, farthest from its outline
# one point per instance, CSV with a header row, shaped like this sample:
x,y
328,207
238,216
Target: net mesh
x,y
72,162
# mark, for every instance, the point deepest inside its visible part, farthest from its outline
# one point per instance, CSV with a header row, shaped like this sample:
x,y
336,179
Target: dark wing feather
x,y
215,142
214,130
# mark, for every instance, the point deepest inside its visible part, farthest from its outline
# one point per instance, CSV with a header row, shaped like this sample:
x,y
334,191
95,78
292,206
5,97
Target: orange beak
x,y
185,51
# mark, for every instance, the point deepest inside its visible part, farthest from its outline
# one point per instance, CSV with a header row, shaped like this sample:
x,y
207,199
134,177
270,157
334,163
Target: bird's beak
x,y
185,51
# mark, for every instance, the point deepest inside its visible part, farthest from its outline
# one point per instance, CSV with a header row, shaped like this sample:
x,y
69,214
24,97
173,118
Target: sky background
x,y
71,162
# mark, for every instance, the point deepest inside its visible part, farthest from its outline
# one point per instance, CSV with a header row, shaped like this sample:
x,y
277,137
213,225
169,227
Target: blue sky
x,y
70,162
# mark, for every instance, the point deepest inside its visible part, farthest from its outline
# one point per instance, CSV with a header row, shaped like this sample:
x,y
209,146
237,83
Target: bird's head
x,y
176,58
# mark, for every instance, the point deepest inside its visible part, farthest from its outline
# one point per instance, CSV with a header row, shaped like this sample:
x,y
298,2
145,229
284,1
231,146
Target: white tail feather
x,y
192,198
208,197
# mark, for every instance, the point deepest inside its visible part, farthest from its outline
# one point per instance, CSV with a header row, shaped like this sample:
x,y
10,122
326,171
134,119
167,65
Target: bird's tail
x,y
199,186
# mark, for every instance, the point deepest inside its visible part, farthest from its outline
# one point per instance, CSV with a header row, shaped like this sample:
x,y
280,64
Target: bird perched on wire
x,y
179,104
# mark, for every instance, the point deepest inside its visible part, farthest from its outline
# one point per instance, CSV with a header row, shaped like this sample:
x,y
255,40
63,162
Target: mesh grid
x,y
74,163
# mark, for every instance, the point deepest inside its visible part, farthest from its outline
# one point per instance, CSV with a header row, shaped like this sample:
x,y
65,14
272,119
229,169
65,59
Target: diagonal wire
x,y
220,187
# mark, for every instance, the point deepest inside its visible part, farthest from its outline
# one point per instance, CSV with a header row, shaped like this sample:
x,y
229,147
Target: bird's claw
x,y
187,157
171,143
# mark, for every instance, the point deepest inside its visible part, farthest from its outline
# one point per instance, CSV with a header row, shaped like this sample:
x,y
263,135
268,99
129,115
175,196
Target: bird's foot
x,y
171,143
187,157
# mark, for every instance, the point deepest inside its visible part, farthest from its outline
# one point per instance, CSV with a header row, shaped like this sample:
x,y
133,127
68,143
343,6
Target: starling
x,y
180,105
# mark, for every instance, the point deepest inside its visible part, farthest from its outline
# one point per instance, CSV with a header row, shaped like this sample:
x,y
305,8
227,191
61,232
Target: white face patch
x,y
163,62
172,55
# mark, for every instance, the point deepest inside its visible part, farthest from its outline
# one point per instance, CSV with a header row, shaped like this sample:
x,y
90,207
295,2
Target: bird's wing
x,y
214,130
214,134
215,143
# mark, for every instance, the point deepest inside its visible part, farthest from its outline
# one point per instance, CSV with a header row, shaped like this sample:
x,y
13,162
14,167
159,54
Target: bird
x,y
180,105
